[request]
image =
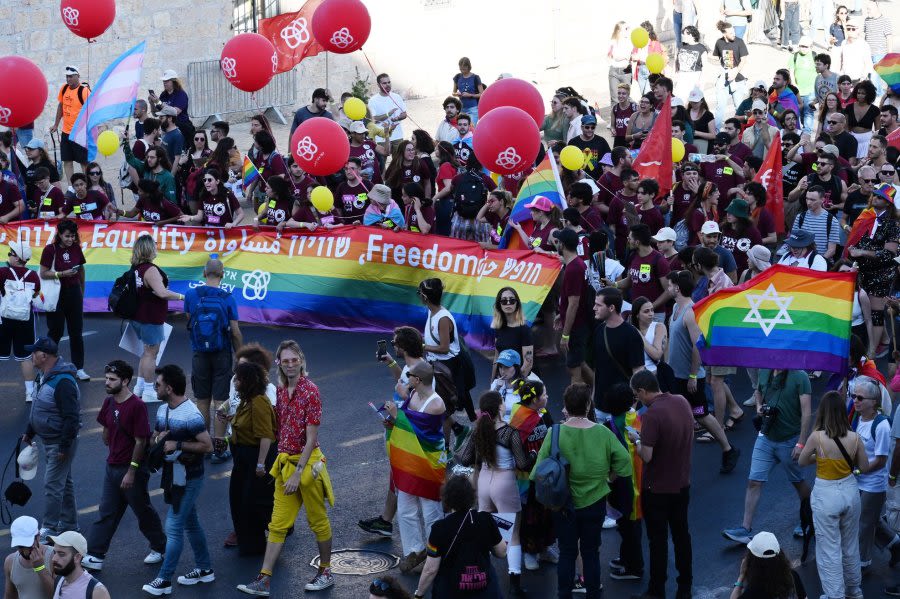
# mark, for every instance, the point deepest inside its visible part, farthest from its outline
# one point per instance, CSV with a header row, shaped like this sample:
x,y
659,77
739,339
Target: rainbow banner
x,y
351,278
249,172
415,446
783,316
888,68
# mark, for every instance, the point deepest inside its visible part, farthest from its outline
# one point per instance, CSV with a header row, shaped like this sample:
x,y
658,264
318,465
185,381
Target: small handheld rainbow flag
x,y
888,68
250,174
783,316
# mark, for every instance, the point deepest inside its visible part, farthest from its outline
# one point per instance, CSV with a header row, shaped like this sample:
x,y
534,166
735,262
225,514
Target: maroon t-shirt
x,y
300,189
723,176
681,199
609,183
124,422
412,219
218,211
273,166
739,152
139,149
59,259
591,219
352,200
151,308
497,224
695,222
49,203
668,427
739,244
9,195
645,273
541,237
304,214
513,182
25,275
278,211
765,222
574,284
653,218
153,213
618,221
370,168
417,172
89,208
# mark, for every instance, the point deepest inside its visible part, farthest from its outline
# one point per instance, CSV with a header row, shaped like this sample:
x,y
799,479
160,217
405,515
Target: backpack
x,y
551,477
84,84
88,592
123,298
125,180
802,218
16,302
209,320
444,385
469,195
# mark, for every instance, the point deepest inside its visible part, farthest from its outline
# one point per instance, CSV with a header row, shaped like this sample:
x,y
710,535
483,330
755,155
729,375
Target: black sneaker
x,y
579,585
195,576
616,564
377,526
158,587
893,591
729,460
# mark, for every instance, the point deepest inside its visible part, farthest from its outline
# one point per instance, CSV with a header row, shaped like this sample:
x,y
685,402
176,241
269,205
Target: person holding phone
x,y
62,260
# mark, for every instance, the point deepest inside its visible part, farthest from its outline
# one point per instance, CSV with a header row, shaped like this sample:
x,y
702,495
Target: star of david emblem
x,y
770,295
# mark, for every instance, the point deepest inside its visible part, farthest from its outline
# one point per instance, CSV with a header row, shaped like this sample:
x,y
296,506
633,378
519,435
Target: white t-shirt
x,y
877,444
510,397
392,105
818,263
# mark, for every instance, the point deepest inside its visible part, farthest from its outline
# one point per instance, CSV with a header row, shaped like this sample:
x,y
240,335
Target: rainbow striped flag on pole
x,y
249,172
783,317
415,447
544,181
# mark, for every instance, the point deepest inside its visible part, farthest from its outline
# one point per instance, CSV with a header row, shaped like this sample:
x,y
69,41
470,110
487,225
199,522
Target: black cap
x,y
567,237
43,344
800,239
722,139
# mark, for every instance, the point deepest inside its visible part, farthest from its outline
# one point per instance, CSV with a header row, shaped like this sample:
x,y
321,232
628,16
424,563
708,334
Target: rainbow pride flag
x,y
784,316
888,68
524,420
415,446
544,181
250,174
861,226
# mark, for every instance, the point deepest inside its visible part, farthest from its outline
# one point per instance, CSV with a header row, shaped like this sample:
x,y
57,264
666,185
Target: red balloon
x,y
23,91
88,18
341,26
512,92
248,61
320,146
506,140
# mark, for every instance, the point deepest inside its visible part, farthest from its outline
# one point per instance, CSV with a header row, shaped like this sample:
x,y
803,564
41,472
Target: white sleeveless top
x,y
650,335
857,317
432,335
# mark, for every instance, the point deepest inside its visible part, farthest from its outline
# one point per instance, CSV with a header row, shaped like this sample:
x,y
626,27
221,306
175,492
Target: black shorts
x,y
14,336
69,151
211,375
577,353
699,405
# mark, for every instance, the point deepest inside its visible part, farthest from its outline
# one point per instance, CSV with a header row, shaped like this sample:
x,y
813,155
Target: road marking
x,y
84,334
361,440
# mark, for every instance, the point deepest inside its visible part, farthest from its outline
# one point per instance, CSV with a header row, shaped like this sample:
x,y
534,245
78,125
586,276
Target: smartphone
x,y
76,268
152,93
633,430
382,348
377,411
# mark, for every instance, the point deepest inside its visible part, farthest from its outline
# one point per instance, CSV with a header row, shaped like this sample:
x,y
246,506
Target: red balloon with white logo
x,y
506,140
88,18
248,61
23,91
341,26
512,92
320,146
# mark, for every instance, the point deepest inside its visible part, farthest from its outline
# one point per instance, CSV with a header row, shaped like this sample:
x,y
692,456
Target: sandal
x,y
705,437
732,421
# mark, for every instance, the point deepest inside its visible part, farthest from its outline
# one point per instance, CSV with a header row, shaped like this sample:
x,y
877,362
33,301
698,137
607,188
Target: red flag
x,y
654,161
770,176
893,138
291,34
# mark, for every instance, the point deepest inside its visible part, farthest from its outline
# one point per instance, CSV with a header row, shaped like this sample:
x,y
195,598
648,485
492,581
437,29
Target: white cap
x,y
28,462
806,41
21,249
696,95
71,70
760,84
676,101
759,105
764,545
357,127
710,227
72,539
169,74
665,234
23,531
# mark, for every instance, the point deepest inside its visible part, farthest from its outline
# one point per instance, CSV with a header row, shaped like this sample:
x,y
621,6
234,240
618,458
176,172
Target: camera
x,y
765,418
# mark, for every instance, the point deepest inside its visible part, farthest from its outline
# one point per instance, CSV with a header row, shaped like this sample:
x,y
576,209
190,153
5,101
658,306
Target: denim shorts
x,y
149,334
767,454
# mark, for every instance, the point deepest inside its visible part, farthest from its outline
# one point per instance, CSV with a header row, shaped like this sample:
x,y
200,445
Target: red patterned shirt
x,y
295,411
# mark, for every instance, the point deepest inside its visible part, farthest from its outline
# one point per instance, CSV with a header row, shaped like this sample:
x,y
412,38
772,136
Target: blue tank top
x,y
680,346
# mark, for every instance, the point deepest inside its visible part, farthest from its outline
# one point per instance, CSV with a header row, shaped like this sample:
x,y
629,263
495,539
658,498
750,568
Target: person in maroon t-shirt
x,y
648,213
371,155
219,207
755,195
407,167
418,211
11,204
16,334
152,206
580,196
301,183
573,317
48,201
646,272
725,173
620,207
493,217
737,150
88,204
280,203
353,194
684,193
738,233
610,181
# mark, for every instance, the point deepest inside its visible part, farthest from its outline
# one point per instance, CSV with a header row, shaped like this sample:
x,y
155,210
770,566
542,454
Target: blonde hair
x,y
505,198
617,30
289,344
144,250
516,319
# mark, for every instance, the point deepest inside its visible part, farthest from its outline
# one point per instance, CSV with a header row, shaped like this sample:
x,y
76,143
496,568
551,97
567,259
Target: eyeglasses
x,y
199,139
508,301
289,361
856,397
95,173
588,126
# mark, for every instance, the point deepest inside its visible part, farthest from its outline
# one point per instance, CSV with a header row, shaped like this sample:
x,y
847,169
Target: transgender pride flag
x,y
112,98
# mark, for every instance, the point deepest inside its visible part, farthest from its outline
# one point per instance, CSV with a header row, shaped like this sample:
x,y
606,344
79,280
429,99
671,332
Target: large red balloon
x,y
23,91
320,146
88,18
341,26
248,61
506,140
512,92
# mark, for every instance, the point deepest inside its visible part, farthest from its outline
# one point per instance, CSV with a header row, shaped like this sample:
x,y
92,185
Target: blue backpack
x,y
551,477
209,320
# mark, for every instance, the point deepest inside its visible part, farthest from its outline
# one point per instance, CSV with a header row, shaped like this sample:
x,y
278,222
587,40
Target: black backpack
x,y
123,298
88,591
469,194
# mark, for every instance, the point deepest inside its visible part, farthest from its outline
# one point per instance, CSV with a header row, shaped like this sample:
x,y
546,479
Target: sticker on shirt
x,y
328,220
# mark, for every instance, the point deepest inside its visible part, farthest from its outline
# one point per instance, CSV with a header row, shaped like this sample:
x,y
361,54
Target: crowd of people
x,y
486,478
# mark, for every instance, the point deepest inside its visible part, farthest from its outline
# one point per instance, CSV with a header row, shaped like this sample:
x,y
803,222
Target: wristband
x,y
260,466
392,363
891,477
739,585
56,274
800,445
692,376
135,465
40,568
566,337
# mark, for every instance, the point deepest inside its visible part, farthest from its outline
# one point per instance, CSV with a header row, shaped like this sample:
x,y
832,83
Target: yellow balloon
x,y
355,109
677,150
640,37
656,63
322,198
572,158
108,143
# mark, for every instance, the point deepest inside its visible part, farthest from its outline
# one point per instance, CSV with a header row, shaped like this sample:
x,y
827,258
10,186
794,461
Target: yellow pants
x,y
312,493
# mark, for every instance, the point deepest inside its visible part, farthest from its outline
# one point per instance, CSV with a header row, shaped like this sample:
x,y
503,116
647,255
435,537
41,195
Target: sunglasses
x,y
834,122
289,361
209,180
199,139
588,126
856,397
889,173
870,180
825,163
508,301
95,173
13,255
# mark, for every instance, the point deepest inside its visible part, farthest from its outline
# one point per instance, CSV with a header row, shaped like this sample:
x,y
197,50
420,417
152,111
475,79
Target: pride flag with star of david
x,y
785,317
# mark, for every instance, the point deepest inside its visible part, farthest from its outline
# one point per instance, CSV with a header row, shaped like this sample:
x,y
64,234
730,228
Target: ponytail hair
x,y
556,217
485,435
529,391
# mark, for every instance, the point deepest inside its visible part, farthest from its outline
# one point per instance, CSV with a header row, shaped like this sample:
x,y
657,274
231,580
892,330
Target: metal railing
x,y
212,96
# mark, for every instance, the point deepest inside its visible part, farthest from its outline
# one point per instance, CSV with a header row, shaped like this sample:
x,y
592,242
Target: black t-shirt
x,y
800,591
627,348
29,175
514,338
593,150
474,539
846,145
730,54
855,204
690,57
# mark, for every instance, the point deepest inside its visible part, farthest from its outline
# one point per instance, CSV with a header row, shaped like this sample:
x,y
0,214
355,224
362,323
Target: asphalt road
x,y
343,366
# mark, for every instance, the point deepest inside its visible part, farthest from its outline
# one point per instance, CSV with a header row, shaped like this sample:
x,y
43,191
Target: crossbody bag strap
x,y
611,356
458,530
844,453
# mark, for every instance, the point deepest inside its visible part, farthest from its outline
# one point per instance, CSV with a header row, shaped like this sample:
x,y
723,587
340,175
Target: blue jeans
x,y
740,30
808,118
767,454
580,528
60,511
676,25
185,520
790,26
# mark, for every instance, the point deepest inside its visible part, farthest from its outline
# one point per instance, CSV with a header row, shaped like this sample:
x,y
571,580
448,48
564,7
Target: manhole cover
x,y
359,562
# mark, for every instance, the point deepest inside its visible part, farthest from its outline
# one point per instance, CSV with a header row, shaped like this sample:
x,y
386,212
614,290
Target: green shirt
x,y
783,392
804,71
592,453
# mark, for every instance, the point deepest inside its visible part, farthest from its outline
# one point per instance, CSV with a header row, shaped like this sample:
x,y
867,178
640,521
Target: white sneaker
x,y
89,562
550,554
154,557
149,395
82,375
608,523
750,402
531,561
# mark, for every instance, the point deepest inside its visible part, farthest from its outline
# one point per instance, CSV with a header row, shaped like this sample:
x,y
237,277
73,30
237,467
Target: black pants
x,y
69,315
664,513
630,552
251,498
113,504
